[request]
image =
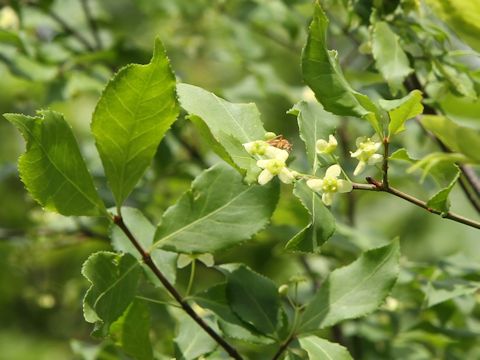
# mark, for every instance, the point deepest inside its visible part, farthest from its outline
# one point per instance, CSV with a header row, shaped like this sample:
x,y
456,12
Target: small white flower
x,y
330,185
326,147
9,19
366,152
258,147
275,166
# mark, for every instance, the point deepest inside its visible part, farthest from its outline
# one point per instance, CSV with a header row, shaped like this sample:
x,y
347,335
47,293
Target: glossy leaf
x,y
390,59
191,340
439,291
457,138
254,298
321,226
321,71
113,278
401,110
144,232
136,109
321,349
52,167
215,300
230,125
354,290
219,212
131,331
440,201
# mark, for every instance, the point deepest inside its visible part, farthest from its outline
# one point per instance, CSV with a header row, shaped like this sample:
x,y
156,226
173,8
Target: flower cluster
x,y
272,161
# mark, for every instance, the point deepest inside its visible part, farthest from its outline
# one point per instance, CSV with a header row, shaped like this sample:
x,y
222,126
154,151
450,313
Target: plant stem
x,y
92,23
176,295
385,184
375,185
192,276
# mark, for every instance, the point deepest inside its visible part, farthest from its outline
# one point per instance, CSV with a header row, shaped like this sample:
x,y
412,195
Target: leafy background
x,y
245,51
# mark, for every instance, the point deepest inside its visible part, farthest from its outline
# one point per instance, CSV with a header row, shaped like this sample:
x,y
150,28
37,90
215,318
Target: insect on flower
x,y
280,142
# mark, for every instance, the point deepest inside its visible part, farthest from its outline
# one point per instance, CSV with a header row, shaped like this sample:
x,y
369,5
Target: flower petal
x,y
207,259
376,138
375,158
356,153
332,140
184,260
263,163
360,167
249,146
286,176
321,145
333,171
273,152
315,184
264,177
327,198
344,186
360,140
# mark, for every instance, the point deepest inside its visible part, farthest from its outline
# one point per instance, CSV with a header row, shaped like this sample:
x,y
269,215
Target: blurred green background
x,y
60,54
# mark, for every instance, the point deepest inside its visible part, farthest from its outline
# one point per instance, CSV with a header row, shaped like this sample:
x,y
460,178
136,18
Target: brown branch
x,y
283,348
375,185
176,295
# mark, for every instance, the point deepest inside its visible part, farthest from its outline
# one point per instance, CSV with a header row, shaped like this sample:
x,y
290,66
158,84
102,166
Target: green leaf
x,y
230,125
52,167
136,109
215,299
390,59
463,17
457,138
321,349
440,201
354,290
322,73
313,123
254,298
321,226
402,155
219,212
113,278
131,331
446,289
191,340
144,231
401,110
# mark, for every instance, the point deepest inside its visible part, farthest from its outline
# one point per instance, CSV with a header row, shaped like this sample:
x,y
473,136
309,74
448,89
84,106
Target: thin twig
x,y
385,184
92,23
284,347
171,289
375,185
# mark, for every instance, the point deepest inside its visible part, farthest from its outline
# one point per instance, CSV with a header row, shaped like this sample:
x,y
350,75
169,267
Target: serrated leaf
x,y
322,73
144,231
439,291
254,299
457,138
230,125
439,201
401,110
113,278
136,109
219,212
191,340
52,168
321,227
390,59
131,331
354,290
313,123
321,349
215,299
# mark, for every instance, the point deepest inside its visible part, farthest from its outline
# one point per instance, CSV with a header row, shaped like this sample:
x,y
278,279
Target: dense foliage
x,y
152,158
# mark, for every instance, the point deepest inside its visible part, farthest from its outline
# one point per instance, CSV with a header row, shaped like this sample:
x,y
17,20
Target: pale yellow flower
x,y
330,184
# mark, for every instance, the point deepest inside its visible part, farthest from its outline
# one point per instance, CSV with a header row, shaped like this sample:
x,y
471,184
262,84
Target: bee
x,y
280,142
